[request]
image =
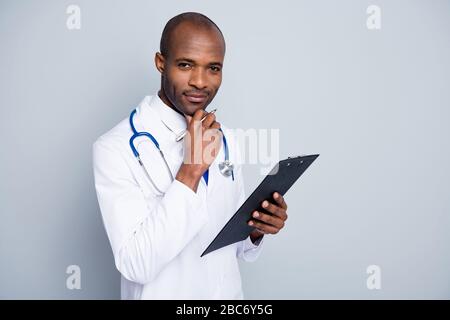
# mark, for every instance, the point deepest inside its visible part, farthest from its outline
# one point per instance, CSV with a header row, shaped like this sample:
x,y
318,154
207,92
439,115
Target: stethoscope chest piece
x,y
226,168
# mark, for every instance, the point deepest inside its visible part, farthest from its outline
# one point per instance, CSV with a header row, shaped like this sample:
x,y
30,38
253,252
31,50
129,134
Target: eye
x,y
215,68
184,65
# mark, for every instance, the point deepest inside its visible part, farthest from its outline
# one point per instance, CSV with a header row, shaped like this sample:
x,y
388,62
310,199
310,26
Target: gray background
x,y
374,104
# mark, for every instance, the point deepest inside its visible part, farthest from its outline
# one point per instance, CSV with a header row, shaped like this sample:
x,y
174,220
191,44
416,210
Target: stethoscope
x,y
226,167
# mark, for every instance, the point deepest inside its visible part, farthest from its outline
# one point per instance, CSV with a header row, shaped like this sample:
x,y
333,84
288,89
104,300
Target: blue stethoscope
x,y
226,167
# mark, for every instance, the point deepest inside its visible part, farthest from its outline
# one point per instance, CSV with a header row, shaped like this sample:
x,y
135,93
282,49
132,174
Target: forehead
x,y
198,43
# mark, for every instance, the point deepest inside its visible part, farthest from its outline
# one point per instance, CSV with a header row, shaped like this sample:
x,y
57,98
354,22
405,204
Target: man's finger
x,y
268,219
274,209
263,227
280,200
260,231
198,115
209,120
215,125
188,118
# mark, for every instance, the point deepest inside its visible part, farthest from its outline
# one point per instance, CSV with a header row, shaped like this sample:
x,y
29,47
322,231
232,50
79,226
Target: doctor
x,y
161,203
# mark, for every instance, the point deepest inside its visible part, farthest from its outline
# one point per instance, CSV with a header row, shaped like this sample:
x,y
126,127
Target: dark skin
x,y
191,75
193,65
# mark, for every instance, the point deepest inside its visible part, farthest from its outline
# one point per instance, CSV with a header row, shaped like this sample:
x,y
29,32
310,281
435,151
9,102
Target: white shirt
x,y
157,240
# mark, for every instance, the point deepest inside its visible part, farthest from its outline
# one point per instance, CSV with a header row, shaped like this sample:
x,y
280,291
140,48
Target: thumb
x,y
188,118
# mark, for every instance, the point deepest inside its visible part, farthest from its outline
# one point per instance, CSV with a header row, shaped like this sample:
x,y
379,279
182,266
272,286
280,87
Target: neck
x,y
163,97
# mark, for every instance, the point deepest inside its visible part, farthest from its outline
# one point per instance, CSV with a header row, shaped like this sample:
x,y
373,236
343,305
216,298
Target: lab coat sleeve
x,y
247,250
145,235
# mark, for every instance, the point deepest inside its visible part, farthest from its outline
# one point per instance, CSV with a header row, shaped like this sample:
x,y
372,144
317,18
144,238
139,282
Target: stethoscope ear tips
x,y
226,168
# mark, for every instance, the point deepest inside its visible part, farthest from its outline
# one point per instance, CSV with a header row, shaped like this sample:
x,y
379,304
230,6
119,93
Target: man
x,y
161,215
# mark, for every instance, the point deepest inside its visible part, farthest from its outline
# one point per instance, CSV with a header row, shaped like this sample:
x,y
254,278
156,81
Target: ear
x,y
160,62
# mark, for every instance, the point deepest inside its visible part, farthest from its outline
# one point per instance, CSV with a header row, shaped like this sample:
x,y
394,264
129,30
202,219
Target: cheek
x,y
215,84
177,81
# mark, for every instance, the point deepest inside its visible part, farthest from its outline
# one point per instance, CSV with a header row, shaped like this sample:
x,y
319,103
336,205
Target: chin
x,y
190,109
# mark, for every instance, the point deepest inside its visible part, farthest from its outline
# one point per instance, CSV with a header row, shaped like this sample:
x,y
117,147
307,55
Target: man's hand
x,y
201,146
269,223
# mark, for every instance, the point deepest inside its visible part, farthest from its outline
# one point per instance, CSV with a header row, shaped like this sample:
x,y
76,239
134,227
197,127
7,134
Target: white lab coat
x,y
157,240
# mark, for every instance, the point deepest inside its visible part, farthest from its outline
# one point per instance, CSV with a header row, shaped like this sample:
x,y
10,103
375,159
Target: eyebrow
x,y
193,62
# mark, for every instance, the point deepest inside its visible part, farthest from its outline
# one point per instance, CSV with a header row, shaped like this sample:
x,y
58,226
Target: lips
x,y
195,98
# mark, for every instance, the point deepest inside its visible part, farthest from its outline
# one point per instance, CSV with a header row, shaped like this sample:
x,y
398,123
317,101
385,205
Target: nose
x,y
198,78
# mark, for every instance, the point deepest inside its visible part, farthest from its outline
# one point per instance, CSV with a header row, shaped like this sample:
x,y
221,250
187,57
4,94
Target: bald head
x,y
196,21
190,62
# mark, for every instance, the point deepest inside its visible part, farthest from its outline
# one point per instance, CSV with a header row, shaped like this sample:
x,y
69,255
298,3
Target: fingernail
x,y
250,223
256,214
265,204
276,195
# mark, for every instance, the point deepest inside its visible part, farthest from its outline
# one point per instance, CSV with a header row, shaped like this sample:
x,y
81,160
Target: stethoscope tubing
x,y
137,134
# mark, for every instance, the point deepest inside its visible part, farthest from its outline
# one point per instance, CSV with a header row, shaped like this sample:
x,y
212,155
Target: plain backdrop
x,y
373,103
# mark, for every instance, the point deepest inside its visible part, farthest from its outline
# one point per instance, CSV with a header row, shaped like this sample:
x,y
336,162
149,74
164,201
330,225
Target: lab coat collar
x,y
170,118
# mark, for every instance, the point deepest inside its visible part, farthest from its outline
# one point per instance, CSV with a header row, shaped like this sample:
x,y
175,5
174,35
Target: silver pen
x,y
182,134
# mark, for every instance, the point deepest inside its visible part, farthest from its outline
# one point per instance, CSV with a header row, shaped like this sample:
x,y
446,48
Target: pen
x,y
181,135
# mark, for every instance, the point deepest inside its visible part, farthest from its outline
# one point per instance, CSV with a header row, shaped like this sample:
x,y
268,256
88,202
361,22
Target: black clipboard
x,y
280,179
